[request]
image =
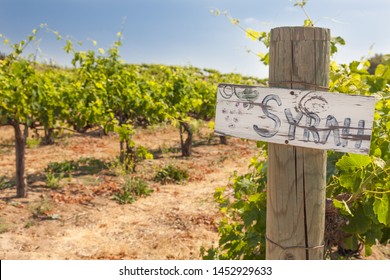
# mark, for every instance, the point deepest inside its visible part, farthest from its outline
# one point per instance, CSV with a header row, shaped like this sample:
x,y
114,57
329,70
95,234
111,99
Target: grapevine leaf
x,y
215,12
69,46
358,223
300,3
352,162
254,197
4,105
308,23
350,243
373,234
369,211
252,34
351,181
249,216
338,40
386,235
343,207
264,58
235,21
381,208
331,169
379,162
377,152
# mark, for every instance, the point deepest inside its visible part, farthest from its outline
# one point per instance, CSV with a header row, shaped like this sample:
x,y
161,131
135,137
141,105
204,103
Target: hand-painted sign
x,y
311,119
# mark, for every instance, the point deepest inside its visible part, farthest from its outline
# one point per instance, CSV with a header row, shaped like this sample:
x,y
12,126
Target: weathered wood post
x,y
300,120
299,59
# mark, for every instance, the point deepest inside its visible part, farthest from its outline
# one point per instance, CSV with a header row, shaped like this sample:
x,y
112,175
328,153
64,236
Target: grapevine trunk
x,y
186,146
20,152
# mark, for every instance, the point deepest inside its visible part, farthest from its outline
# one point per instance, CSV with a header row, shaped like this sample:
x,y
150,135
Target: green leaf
x,y
343,207
264,58
215,12
386,235
373,234
308,23
350,243
369,211
358,223
300,3
4,105
235,21
379,162
253,34
351,181
254,197
69,46
377,152
381,208
352,162
338,40
334,41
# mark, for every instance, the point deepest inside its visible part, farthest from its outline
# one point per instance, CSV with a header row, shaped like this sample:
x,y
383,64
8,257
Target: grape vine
x,y
358,188
100,90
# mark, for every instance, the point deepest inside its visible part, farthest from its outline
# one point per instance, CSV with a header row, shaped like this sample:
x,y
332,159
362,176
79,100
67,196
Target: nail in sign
x,y
310,119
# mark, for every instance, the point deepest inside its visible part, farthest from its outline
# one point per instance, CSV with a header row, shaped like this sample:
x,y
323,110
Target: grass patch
x,y
44,210
171,174
4,227
30,223
53,181
5,183
84,165
131,189
117,168
33,143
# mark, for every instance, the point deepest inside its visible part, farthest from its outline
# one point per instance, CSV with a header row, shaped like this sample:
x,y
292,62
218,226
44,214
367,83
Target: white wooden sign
x,y
310,119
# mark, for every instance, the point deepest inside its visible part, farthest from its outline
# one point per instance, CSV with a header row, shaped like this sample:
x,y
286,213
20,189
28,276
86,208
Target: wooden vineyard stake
x,y
297,176
300,120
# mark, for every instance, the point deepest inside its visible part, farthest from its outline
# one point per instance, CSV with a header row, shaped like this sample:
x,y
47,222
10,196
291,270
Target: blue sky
x,y
184,32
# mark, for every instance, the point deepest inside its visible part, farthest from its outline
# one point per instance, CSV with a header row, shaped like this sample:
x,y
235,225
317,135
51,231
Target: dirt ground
x,y
86,223
82,221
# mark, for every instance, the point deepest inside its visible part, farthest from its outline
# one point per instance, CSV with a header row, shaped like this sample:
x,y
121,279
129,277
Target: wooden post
x,y
299,59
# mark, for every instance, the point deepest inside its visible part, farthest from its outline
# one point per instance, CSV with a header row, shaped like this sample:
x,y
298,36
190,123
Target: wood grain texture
x,y
312,119
294,209
296,176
